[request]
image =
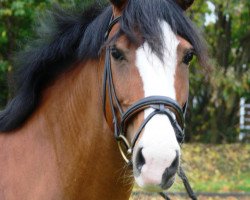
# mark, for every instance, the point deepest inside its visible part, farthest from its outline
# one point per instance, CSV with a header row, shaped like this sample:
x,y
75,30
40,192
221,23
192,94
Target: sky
x,y
210,17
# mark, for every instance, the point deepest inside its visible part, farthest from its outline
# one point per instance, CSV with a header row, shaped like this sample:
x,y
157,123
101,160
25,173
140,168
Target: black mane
x,y
53,52
71,38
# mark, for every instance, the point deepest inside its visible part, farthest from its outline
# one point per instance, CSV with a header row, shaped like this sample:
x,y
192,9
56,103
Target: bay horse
x,y
112,70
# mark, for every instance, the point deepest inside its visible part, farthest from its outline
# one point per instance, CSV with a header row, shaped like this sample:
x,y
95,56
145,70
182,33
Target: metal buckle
x,y
125,148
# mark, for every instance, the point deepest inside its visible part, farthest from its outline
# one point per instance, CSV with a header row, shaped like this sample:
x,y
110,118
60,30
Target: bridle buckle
x,y
125,148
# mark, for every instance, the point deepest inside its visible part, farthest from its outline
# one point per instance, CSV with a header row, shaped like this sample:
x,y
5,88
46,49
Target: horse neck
x,y
80,147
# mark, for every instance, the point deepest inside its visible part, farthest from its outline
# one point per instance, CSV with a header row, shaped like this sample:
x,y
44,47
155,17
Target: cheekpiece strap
x,y
112,22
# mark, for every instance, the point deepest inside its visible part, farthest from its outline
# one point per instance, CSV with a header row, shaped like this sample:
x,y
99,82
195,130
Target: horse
x,y
111,74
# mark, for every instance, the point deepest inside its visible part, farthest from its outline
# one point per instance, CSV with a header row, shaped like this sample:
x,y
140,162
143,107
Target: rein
x,y
161,105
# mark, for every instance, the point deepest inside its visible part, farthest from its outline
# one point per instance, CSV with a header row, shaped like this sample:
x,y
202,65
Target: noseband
x,y
161,105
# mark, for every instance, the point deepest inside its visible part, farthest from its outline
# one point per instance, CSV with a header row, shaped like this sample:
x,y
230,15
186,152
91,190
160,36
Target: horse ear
x,y
119,4
184,4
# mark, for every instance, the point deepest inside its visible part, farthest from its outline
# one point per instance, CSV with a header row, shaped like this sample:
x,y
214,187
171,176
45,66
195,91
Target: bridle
x,y
160,104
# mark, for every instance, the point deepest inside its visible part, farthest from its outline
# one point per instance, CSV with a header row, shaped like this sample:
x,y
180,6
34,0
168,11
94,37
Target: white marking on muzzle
x,y
158,141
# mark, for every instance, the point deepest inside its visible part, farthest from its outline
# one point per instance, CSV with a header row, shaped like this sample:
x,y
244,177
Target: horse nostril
x,y
175,163
168,175
139,160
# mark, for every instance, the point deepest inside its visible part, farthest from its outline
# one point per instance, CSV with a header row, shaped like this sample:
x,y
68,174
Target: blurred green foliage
x,y
214,96
213,115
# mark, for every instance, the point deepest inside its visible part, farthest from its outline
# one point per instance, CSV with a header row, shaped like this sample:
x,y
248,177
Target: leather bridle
x,y
160,104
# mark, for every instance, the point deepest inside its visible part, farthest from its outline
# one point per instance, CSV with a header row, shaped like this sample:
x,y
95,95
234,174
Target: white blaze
x,y
158,140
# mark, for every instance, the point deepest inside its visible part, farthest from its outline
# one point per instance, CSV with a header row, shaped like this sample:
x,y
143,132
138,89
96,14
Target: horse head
x,y
146,88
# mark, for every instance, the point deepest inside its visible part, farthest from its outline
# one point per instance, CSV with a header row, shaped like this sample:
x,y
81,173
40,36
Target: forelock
x,y
144,17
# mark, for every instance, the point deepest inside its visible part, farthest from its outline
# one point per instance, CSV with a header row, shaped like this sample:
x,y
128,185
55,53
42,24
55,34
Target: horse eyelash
x,y
191,53
120,55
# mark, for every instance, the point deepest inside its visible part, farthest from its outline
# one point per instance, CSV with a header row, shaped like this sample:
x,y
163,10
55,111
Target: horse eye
x,y
188,57
117,54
